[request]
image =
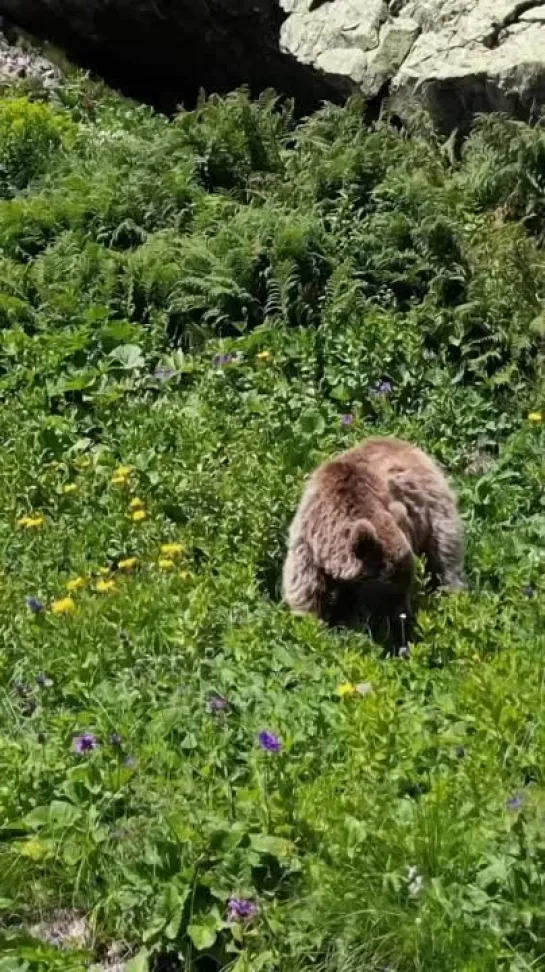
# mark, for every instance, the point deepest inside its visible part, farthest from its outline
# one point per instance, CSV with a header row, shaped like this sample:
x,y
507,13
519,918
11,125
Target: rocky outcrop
x,y
19,60
458,57
477,57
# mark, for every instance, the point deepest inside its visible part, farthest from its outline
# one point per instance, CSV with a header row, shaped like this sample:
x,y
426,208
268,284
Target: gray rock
x,y
20,60
64,928
344,64
396,40
333,26
457,57
68,929
482,58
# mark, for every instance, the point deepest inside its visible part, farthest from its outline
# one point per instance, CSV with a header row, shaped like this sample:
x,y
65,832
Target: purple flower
x,y
515,803
163,374
382,387
241,909
269,742
85,743
216,703
529,591
115,740
347,419
129,762
35,605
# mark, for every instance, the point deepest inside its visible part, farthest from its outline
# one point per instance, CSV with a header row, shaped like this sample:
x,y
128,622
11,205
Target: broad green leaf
x,y
129,356
275,846
202,936
57,814
140,962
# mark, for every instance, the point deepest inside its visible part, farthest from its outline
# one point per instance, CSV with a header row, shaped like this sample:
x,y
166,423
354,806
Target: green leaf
x,y
312,423
179,826
275,846
118,333
129,356
57,814
140,962
177,900
202,936
341,393
537,326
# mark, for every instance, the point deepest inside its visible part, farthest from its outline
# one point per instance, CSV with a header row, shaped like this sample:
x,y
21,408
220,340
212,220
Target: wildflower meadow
x,y
193,313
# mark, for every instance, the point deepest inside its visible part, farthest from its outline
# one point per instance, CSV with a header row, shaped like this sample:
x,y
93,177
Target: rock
x,y
456,57
19,60
396,40
333,26
483,57
68,929
344,63
64,928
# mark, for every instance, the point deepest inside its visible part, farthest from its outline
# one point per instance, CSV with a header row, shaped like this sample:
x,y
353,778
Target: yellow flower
x,y
31,521
136,503
535,417
346,690
105,586
119,480
128,563
139,515
84,463
65,605
123,471
70,488
185,574
34,848
171,549
76,584
166,564
264,355
104,571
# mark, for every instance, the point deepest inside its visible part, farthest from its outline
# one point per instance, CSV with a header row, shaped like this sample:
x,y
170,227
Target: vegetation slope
x,y
194,313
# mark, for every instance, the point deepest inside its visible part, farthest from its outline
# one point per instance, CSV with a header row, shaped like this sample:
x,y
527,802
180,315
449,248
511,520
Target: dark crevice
x,y
492,40
165,53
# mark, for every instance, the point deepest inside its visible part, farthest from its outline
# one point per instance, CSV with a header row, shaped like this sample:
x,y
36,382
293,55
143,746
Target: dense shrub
x,y
31,134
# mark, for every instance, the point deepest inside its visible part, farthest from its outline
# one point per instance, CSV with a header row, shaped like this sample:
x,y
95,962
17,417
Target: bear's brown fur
x,y
361,519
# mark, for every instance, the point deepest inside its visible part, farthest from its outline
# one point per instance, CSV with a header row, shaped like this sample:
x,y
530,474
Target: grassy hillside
x,y
192,315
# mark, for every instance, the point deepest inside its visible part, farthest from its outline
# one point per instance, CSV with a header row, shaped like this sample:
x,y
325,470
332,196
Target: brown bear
x,y
362,518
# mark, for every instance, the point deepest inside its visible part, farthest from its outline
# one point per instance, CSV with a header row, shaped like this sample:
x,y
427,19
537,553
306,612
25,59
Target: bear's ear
x,y
368,548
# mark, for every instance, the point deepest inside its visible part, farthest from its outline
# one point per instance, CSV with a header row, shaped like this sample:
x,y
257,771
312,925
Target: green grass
x,y
402,829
